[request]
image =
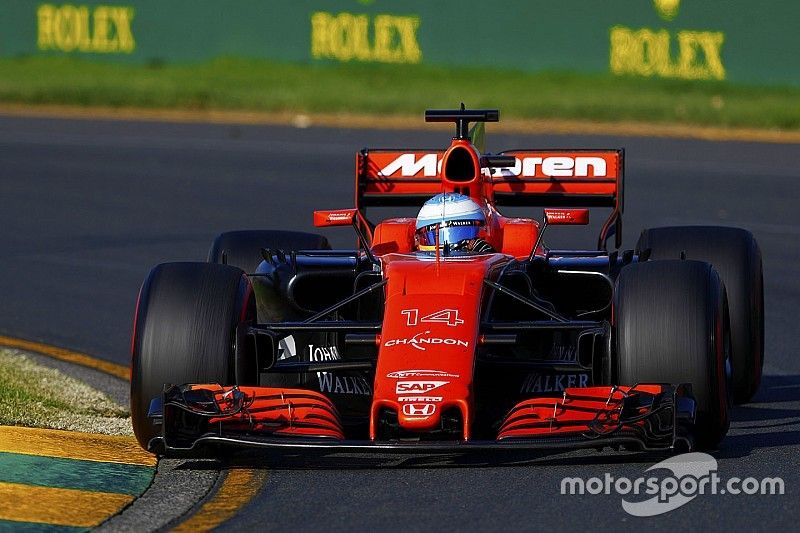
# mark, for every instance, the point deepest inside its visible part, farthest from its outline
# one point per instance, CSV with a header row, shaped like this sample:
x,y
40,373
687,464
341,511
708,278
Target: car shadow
x,y
770,420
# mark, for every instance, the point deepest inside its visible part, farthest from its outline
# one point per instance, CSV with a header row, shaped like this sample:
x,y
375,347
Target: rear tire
x,y
671,328
243,248
185,332
735,254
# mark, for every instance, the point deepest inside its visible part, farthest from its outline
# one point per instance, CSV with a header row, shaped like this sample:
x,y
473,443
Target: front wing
x,y
198,420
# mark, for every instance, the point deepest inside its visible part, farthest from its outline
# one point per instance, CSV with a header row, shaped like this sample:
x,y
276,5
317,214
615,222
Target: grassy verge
x,y
237,84
36,396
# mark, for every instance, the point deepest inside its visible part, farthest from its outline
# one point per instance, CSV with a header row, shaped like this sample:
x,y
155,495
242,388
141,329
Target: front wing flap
x,y
196,419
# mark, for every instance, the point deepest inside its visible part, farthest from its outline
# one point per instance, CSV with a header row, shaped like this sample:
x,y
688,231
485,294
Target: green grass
x,y
240,84
36,396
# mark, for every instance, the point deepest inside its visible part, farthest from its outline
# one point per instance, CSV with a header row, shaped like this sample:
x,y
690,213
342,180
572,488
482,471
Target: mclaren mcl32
x,y
415,343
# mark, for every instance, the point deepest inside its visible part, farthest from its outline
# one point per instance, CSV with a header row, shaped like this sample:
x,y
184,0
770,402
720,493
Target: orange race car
x,y
457,329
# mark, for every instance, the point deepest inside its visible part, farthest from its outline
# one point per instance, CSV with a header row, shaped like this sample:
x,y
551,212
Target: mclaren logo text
x,y
428,165
555,167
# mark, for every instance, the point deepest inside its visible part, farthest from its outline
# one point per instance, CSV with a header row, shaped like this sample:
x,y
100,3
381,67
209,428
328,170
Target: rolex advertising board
x,y
702,40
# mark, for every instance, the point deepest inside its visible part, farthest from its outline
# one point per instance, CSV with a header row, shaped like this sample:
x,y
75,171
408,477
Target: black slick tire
x,y
185,332
735,254
670,327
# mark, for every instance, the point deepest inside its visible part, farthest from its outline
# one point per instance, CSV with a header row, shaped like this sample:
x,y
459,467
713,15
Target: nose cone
x,y
428,340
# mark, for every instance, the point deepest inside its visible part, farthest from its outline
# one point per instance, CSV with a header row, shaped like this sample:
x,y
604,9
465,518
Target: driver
x,y
459,220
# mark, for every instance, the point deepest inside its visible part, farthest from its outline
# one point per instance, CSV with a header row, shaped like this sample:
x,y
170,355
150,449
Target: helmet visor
x,y
451,232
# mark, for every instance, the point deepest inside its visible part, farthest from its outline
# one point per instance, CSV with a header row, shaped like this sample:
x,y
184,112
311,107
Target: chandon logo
x,y
419,342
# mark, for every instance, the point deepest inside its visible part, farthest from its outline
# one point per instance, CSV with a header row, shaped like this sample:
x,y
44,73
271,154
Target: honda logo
x,y
419,409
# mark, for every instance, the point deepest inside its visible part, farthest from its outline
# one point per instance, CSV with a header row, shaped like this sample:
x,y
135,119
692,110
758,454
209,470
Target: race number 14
x,y
445,316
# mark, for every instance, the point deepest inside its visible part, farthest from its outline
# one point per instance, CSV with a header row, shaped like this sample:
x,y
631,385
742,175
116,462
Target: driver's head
x,y
458,218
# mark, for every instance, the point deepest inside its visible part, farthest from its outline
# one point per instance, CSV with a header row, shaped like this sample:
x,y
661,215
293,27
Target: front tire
x,y
735,254
671,328
185,332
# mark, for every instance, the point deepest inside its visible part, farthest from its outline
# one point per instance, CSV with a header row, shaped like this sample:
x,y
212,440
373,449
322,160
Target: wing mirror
x,y
566,217
337,217
560,217
344,217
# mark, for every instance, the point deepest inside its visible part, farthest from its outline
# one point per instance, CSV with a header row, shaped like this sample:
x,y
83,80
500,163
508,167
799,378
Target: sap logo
x,y
419,409
554,167
417,387
98,29
553,382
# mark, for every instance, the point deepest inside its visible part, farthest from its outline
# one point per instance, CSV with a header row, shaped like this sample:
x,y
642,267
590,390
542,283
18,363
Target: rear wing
x,y
397,177
560,178
532,178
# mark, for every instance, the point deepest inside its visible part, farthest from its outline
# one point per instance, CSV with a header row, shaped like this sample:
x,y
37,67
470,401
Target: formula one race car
x,y
458,329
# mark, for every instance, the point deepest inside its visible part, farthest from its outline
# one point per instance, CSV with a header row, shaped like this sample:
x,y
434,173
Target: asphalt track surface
x,y
86,208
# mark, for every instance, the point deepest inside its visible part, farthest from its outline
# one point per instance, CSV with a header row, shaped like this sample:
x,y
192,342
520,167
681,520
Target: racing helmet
x,y
458,218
